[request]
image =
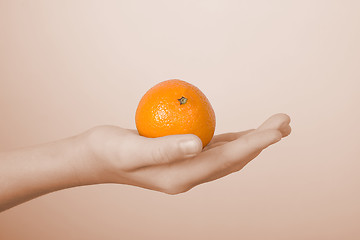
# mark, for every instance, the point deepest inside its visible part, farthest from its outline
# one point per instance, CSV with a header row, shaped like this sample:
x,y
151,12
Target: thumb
x,y
171,148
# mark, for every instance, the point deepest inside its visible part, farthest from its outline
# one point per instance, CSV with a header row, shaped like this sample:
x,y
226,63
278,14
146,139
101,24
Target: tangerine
x,y
175,107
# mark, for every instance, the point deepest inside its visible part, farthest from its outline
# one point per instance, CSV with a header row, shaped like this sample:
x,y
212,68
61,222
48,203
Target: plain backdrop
x,y
66,66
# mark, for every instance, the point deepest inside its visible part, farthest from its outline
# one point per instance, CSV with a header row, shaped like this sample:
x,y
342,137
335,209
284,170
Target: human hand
x,y
176,163
109,154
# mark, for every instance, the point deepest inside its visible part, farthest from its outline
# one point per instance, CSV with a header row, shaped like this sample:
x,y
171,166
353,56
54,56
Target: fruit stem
x,y
182,100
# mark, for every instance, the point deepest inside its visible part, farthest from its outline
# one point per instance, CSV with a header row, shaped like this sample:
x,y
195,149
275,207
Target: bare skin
x,y
110,154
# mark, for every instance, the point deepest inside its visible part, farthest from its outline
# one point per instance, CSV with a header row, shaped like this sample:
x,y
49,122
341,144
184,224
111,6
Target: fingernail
x,y
189,147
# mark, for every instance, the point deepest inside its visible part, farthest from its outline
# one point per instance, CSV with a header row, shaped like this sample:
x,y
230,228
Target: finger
x,y
221,161
168,149
213,145
134,131
278,121
286,131
227,137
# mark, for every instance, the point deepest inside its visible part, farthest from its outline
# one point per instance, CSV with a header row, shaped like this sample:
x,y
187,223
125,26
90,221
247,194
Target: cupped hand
x,y
176,163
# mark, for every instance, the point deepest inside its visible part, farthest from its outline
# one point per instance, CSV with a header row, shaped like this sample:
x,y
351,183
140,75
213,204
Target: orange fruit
x,y
175,107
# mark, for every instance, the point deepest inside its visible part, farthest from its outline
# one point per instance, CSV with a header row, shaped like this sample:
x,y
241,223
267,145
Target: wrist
x,y
100,151
86,165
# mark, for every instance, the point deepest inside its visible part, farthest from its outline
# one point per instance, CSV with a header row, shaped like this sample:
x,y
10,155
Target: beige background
x,y
66,66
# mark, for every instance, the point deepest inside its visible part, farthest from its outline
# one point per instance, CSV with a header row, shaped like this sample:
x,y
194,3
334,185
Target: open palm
x,y
163,164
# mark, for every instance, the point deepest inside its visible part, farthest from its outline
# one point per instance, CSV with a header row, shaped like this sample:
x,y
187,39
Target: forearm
x,y
31,172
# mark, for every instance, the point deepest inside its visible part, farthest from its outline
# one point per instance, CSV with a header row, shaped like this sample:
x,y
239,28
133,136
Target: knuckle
x,y
159,155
